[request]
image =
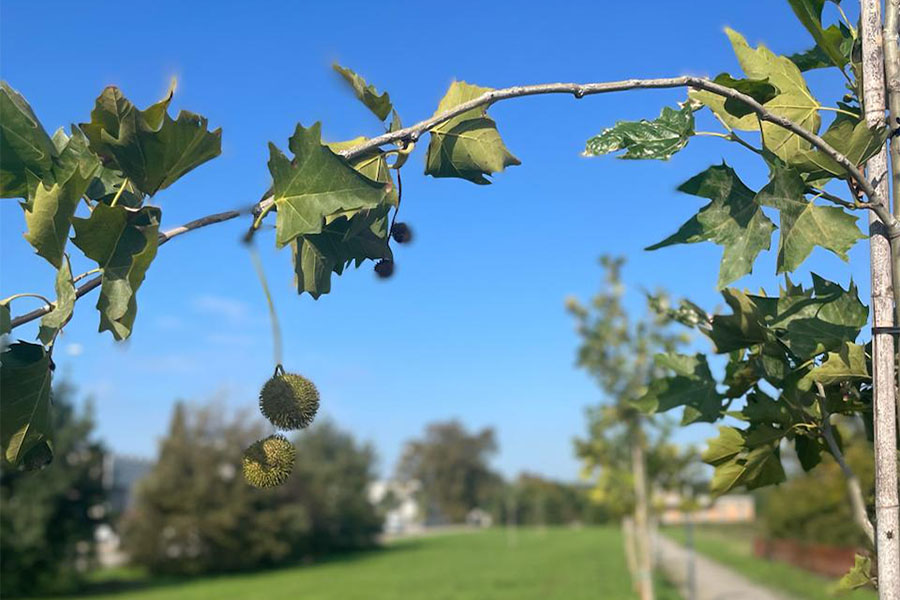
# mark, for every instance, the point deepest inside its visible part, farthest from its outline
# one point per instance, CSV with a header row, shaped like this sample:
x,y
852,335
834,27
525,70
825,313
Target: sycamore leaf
x,y
745,458
657,139
809,12
57,318
367,94
150,148
317,183
692,387
847,364
73,155
744,328
123,242
343,240
733,220
48,215
805,224
794,100
850,136
467,146
372,164
105,186
859,575
24,400
759,89
25,147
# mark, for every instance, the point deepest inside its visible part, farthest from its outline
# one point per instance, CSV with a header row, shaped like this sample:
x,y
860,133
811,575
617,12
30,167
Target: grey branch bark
x,y
164,237
578,90
887,514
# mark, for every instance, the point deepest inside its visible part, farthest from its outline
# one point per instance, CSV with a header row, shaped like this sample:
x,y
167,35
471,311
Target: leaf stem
x,y
115,200
78,278
273,315
27,295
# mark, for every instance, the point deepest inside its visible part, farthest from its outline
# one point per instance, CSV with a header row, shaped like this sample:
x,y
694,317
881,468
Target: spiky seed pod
x,y
384,268
401,233
269,462
289,401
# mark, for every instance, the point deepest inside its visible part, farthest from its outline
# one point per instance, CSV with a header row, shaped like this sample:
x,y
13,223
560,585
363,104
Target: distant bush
x,y
48,517
534,500
194,513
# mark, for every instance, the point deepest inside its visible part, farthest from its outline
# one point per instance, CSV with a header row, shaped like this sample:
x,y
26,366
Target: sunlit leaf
x,y
48,215
467,146
809,12
733,220
657,139
692,387
859,575
367,94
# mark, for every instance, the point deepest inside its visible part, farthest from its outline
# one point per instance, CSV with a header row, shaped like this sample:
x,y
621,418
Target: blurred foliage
x,y
48,516
195,514
451,464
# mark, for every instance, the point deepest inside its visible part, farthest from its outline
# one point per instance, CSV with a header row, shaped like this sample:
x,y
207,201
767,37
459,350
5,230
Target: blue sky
x,y
472,325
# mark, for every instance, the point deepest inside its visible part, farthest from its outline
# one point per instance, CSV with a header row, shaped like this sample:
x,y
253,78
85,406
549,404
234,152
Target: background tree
x,y
452,466
193,512
49,517
618,352
541,501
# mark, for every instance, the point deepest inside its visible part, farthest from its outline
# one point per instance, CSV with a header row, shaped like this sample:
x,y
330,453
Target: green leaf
x,y
123,242
809,451
342,241
847,364
794,101
25,147
372,164
24,400
692,387
150,148
749,458
105,186
367,94
808,60
5,318
761,408
744,328
850,136
809,12
759,89
48,215
467,146
73,155
57,318
804,224
733,220
860,575
316,184
657,139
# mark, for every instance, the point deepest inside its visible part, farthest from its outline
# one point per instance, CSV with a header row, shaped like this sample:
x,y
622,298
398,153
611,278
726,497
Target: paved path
x,y
713,581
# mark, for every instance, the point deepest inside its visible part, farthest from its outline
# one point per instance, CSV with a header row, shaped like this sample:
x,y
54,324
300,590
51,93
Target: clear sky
x,y
472,325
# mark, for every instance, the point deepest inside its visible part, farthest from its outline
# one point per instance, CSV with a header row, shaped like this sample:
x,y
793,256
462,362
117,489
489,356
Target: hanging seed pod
x,y
269,462
289,401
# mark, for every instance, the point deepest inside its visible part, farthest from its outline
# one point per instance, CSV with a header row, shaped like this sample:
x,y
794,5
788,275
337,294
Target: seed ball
x,y
269,462
384,268
289,401
401,233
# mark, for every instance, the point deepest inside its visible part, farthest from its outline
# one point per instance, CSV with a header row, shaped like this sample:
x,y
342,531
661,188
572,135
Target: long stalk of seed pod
x,y
273,316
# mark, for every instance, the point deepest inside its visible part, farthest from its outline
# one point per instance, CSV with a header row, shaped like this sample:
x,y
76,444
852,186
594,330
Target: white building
x,y
401,507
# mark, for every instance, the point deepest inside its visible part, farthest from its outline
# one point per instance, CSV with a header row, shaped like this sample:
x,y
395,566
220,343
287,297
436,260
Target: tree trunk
x,y
887,528
641,516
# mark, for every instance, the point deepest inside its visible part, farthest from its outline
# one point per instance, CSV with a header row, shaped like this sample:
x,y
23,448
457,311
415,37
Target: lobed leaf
x,y
380,105
150,148
316,184
25,147
733,220
692,387
657,139
859,575
467,146
804,224
25,377
123,242
48,215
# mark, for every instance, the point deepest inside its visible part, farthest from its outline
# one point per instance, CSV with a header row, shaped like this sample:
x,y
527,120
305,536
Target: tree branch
x,y
162,239
578,90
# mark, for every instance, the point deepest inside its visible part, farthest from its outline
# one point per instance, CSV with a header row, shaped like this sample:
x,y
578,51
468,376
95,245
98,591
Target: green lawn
x,y
734,548
556,563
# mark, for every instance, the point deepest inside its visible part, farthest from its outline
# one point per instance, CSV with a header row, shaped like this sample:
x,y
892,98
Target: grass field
x,y
557,563
733,548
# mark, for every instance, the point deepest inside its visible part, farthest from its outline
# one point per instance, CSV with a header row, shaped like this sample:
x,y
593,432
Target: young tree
x,y
618,352
49,517
335,204
452,466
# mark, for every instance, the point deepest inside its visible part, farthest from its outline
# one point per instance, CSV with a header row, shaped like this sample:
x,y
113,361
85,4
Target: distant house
x,y
398,502
733,508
